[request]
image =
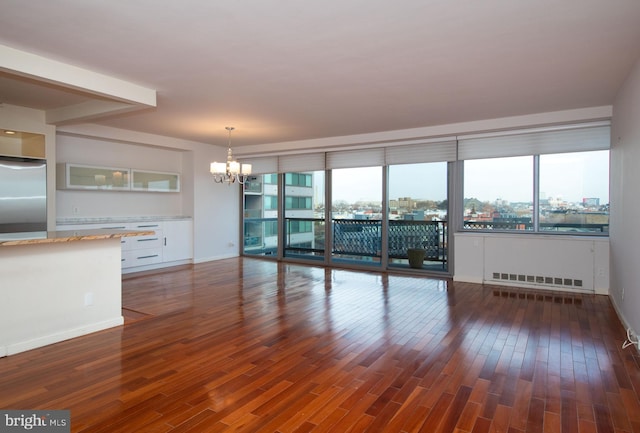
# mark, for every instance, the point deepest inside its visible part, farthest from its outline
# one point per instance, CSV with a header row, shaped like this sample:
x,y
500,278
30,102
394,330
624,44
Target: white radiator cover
x,y
568,263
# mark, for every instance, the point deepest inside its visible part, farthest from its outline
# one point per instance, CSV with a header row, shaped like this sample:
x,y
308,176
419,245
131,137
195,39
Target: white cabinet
x,y
73,176
89,177
171,243
143,250
178,240
124,241
155,181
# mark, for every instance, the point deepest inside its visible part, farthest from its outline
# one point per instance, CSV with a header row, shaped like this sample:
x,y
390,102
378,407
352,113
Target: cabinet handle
x,y
148,257
147,240
147,226
114,228
165,241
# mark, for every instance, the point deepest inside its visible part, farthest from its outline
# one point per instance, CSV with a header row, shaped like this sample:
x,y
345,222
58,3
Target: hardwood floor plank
x,y
246,345
535,417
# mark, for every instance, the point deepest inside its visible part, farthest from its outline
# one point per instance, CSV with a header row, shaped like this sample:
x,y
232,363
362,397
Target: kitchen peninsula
x,y
58,285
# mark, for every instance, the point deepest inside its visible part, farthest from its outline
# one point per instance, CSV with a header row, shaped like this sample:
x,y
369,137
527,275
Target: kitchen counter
x,y
10,239
58,285
118,220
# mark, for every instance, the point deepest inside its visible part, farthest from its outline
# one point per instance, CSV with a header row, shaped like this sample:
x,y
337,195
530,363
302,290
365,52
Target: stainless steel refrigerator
x,y
23,195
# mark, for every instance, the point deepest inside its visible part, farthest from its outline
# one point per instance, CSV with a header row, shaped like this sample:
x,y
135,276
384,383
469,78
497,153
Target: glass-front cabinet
x,y
155,181
88,177
72,176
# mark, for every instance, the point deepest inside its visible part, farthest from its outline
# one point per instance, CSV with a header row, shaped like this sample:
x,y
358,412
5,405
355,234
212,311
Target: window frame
x,y
535,215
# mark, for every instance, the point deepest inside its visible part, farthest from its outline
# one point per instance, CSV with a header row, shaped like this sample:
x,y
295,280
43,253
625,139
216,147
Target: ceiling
x,y
287,70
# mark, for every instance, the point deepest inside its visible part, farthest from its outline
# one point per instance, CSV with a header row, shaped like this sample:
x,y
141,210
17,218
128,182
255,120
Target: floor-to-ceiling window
x,y
418,215
304,228
260,215
356,215
380,203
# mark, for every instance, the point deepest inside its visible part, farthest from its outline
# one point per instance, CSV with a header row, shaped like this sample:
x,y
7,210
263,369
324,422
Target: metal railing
x,y
528,226
353,238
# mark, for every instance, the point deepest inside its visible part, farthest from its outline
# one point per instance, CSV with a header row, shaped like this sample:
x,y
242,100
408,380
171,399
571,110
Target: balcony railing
x,y
428,235
357,238
527,225
364,237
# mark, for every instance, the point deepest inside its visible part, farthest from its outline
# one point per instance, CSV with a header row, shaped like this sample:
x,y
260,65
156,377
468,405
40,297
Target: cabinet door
x,y
178,240
155,181
74,176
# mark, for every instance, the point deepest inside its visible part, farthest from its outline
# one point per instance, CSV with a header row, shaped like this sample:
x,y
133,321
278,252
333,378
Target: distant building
x,y
591,202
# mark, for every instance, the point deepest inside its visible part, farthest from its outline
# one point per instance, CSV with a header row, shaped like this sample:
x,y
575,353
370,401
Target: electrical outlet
x,y
75,210
231,244
88,299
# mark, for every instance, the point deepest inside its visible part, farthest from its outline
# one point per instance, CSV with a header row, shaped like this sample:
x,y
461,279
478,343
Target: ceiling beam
x,y
116,95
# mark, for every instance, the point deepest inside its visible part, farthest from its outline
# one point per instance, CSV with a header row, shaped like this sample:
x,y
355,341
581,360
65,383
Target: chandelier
x,y
232,170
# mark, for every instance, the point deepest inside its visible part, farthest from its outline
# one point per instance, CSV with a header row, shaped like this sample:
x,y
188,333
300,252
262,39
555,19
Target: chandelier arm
x,y
233,170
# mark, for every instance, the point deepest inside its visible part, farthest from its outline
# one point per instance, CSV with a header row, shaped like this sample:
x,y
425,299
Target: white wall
x,y
625,201
95,151
569,258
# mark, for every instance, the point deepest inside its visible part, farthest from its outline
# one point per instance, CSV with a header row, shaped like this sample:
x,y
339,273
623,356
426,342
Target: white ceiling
x,y
284,70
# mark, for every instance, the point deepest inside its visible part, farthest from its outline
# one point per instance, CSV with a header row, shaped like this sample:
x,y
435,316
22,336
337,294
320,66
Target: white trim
x,y
45,340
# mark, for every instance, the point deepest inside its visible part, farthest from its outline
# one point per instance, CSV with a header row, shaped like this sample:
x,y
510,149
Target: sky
x,y
570,177
411,180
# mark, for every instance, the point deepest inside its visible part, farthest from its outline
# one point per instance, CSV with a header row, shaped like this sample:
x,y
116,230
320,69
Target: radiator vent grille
x,y
538,279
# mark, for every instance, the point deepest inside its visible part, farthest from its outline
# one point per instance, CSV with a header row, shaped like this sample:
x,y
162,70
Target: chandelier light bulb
x,y
231,171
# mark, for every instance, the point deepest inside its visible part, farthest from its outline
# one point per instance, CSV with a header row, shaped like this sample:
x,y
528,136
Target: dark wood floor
x,y
250,345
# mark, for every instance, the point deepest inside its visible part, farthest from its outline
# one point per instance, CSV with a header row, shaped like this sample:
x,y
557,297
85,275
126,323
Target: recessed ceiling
x,y
290,70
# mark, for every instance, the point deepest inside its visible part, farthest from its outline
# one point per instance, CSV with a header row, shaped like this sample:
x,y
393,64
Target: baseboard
x,y
463,279
45,340
624,320
214,258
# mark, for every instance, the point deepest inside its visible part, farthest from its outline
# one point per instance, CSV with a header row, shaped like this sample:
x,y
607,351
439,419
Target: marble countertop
x,y
111,220
28,238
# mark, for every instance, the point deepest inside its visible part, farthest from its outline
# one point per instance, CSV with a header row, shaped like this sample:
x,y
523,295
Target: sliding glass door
x,y
358,207
260,216
418,215
304,228
356,215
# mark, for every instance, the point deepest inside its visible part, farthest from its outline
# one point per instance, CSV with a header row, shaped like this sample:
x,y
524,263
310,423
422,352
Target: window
x,y
541,179
304,215
270,202
261,216
356,211
298,179
571,193
292,202
298,226
498,193
574,192
271,228
418,214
